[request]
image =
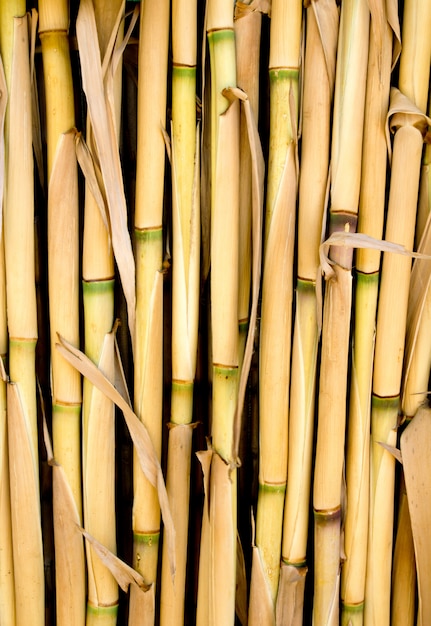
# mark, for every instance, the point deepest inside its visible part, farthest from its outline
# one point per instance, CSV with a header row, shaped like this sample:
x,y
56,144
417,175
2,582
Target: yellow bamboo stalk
x,y
98,411
185,299
247,24
66,393
349,103
18,219
7,593
319,77
217,582
371,215
409,126
277,294
152,86
63,286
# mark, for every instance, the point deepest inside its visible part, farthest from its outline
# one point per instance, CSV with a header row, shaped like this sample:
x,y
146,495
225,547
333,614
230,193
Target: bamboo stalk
x,y
391,317
18,219
185,299
217,583
63,287
371,215
98,411
247,24
319,77
152,86
349,102
277,294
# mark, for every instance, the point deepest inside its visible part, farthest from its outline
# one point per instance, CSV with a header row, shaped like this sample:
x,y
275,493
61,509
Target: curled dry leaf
x,y
123,573
359,240
141,439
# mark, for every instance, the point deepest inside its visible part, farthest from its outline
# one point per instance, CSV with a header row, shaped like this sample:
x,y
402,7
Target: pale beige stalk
x,y
277,295
18,220
148,385
387,366
349,104
409,126
98,411
371,215
217,584
185,299
319,77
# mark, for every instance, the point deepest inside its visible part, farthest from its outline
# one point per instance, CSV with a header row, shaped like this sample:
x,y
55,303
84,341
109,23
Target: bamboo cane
x,y
216,591
277,294
152,86
371,216
98,300
63,287
22,324
319,77
390,334
349,102
185,299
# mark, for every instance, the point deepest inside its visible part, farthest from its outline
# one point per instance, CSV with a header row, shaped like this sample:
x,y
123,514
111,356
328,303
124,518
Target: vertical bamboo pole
x,y
371,215
99,411
18,229
63,288
349,104
148,379
277,295
393,296
319,78
185,299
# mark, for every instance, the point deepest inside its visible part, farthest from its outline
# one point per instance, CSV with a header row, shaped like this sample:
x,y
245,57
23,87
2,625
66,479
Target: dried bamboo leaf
x,y
262,607
115,58
243,8
393,450
92,176
103,125
123,573
394,22
359,240
202,613
146,454
290,598
258,174
415,446
25,513
401,104
69,543
222,541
